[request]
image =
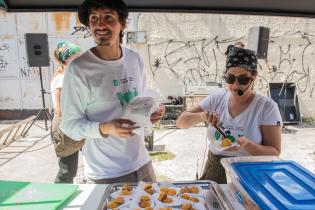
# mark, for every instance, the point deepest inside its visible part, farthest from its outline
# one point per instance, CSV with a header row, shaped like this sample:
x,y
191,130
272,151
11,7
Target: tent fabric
x,y
302,8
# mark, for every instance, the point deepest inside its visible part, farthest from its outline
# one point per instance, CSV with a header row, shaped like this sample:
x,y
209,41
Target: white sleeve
x,y
205,104
143,74
213,101
271,114
59,82
74,98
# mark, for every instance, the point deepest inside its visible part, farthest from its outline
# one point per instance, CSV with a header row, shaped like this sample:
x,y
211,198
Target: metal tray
x,y
214,196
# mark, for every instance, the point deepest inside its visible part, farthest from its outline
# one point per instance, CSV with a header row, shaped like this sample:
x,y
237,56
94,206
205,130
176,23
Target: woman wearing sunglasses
x,y
252,122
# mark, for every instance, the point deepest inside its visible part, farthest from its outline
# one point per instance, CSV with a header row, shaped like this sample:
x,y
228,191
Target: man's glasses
x,y
242,80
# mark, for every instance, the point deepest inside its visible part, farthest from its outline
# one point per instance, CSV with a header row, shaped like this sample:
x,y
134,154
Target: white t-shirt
x,y
261,111
94,91
56,83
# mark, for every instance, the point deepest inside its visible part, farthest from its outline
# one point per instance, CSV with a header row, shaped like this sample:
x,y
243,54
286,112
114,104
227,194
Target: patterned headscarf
x,y
65,50
240,57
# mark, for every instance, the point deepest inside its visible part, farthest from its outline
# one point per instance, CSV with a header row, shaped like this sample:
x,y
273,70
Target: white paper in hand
x,y
140,109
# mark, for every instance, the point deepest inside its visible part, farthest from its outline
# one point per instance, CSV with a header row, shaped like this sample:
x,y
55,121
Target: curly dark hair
x,y
117,5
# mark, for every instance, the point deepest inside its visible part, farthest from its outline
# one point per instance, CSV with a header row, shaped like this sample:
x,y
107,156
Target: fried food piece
x,y
125,192
148,208
145,201
168,191
162,196
147,186
145,204
184,190
226,142
194,189
163,189
187,206
171,191
167,200
165,209
115,202
185,196
112,205
193,199
145,198
164,199
150,191
126,187
119,200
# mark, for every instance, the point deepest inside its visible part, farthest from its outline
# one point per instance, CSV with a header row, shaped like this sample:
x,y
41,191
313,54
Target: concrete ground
x,y
33,158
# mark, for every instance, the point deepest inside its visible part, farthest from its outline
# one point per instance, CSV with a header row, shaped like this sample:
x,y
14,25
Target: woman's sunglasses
x,y
242,80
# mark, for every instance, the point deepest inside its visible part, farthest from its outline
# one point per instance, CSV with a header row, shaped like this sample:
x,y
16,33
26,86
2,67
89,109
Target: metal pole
x,y
43,96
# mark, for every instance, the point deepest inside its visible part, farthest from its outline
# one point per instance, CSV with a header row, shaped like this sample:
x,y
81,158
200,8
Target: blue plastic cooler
x,y
277,184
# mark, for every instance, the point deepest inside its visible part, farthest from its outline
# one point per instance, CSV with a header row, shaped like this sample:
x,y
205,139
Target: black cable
x,y
206,147
165,135
204,156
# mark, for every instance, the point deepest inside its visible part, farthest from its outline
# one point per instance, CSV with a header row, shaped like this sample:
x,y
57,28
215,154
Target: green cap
x,y
66,50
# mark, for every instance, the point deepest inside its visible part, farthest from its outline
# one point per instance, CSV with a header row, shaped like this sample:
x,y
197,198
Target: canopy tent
x,y
302,8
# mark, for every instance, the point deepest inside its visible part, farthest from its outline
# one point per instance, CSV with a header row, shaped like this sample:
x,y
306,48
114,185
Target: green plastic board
x,y
33,196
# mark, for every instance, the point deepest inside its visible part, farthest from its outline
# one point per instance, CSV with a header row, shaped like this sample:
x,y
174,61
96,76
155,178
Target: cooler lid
x,y
277,184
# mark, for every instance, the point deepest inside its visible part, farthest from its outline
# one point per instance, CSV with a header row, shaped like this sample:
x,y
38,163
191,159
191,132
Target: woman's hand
x,y
210,117
157,115
243,143
253,148
119,128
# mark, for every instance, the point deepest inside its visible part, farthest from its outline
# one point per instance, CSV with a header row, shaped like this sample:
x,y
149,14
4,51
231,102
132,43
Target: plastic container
x,y
271,183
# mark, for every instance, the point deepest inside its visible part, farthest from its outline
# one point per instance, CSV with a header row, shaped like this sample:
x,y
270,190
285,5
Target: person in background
x,y
239,44
249,119
97,87
67,150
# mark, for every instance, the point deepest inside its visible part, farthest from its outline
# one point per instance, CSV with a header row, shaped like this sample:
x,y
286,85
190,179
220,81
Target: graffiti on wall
x,y
191,61
81,29
6,99
4,48
3,63
27,71
196,61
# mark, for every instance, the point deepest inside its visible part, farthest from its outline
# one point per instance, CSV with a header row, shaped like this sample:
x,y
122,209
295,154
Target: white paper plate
x,y
220,148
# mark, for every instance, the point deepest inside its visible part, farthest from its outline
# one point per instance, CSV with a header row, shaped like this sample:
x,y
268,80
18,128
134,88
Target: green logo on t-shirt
x,y
115,82
218,136
127,97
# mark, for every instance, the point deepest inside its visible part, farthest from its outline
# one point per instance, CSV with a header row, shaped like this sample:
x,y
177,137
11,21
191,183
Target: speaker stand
x,y
44,110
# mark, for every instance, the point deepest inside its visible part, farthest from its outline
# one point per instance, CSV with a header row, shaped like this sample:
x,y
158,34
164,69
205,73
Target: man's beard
x,y
102,42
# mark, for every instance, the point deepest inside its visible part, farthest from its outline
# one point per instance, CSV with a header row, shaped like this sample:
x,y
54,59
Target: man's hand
x,y
119,128
157,115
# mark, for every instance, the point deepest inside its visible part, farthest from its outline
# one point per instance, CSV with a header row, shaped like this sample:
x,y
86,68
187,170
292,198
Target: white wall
x,y
190,48
19,84
181,48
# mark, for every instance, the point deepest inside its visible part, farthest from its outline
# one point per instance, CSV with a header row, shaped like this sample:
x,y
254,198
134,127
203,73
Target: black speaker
x,y
258,40
37,50
284,94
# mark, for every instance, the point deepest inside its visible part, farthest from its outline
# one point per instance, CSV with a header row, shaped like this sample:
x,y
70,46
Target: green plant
x,y
160,156
157,126
308,120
